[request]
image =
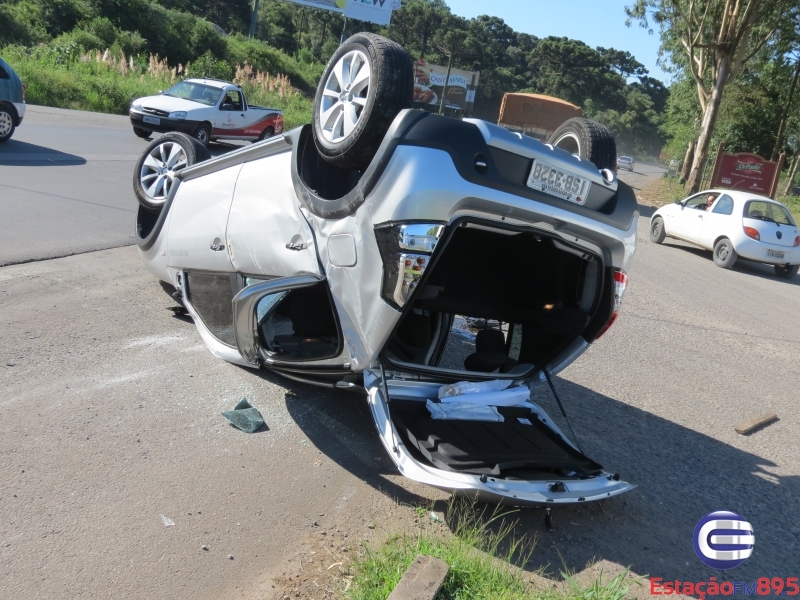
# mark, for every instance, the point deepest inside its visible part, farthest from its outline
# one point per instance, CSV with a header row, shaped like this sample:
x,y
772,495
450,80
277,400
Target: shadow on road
x,y
742,264
16,153
646,211
681,475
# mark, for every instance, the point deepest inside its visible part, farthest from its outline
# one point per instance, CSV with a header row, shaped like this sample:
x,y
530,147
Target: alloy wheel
x,y
345,96
159,169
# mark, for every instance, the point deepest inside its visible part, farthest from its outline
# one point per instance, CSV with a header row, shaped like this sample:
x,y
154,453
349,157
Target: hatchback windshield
x,y
768,211
197,92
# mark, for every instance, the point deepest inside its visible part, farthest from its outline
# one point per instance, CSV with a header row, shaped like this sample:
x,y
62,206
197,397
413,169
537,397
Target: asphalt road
x,y
109,418
65,184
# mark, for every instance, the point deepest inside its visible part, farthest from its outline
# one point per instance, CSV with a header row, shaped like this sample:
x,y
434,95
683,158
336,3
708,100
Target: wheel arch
x,y
12,109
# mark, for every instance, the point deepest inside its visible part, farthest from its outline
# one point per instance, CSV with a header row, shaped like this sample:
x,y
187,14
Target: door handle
x,y
296,243
217,245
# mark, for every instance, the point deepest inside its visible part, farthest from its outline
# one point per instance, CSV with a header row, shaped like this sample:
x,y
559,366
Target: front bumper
x,y
182,125
756,251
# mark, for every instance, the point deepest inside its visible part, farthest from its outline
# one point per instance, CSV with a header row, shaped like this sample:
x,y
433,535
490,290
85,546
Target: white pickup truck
x,y
208,109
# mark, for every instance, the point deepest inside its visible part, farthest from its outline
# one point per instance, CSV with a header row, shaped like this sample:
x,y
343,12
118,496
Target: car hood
x,y
169,103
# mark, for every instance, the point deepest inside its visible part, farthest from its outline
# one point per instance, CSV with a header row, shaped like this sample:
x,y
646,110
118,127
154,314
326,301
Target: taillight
x,y
797,241
405,251
752,233
620,285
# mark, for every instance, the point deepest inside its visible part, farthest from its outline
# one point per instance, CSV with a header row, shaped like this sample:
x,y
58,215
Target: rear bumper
x,y
750,249
165,125
20,106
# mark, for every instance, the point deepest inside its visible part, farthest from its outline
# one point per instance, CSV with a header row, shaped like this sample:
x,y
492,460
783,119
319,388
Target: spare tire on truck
x,y
367,82
164,157
588,139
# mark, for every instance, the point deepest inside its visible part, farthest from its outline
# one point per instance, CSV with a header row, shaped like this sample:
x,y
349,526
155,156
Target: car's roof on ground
x,y
216,83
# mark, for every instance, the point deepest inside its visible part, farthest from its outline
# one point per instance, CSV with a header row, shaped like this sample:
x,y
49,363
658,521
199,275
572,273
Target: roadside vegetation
x,y
485,560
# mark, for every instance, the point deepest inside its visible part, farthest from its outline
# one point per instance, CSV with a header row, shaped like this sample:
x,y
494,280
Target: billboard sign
x,y
746,172
429,86
374,11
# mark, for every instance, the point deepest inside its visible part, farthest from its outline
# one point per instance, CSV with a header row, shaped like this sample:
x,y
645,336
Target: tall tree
x,y
713,40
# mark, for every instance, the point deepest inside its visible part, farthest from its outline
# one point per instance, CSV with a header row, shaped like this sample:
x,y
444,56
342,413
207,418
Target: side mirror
x,y
160,91
678,201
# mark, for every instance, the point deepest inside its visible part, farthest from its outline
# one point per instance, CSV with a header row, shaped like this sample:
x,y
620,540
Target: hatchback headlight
x,y
135,105
181,114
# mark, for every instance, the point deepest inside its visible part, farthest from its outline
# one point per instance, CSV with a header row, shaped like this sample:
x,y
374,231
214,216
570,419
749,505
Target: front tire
x,y
203,134
142,133
657,233
724,254
7,125
786,271
164,157
588,139
366,83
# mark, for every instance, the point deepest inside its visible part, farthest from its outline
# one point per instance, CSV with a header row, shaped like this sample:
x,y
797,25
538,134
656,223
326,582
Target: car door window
x,y
724,205
3,73
697,202
232,101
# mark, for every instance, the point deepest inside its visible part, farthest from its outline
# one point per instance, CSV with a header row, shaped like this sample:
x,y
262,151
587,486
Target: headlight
x,y
181,114
406,251
135,105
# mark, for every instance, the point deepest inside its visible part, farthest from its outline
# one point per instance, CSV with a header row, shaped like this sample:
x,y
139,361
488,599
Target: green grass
x,y
99,83
483,555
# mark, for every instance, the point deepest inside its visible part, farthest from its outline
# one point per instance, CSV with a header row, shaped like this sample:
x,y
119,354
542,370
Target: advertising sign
x,y
429,86
374,11
747,172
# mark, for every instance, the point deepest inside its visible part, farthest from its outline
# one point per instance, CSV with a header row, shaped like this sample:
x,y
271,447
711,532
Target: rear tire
x,y
203,134
266,134
786,271
7,125
353,111
724,254
588,139
657,233
142,133
164,157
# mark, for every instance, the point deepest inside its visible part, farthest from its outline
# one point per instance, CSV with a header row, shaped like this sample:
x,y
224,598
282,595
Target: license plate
x,y
151,120
774,254
558,182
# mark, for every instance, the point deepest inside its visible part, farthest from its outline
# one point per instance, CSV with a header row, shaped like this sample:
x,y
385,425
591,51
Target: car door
x,y
718,221
230,120
687,221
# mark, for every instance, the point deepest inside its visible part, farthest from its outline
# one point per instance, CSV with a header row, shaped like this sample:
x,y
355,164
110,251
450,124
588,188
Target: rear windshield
x,y
625,158
197,92
768,211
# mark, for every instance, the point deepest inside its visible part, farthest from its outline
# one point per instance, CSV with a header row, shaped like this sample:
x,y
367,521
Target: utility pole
x,y
344,29
254,19
446,81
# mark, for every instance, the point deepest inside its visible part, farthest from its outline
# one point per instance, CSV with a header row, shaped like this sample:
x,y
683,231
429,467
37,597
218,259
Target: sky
x,y
594,22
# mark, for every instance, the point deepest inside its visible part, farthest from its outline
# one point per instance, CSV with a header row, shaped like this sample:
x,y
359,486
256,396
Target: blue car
x,y
12,101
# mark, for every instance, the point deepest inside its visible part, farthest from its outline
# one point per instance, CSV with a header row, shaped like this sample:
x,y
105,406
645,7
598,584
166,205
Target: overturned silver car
x,y
392,250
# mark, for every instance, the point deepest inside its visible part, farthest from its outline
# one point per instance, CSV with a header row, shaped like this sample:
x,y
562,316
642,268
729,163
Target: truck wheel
x,y
203,134
142,133
588,139
164,157
366,83
267,133
6,124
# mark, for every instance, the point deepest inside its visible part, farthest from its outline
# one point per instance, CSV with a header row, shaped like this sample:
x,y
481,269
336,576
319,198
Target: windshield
x,y
768,211
196,92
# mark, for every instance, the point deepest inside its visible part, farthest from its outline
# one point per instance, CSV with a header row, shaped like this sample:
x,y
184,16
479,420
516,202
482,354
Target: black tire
x,y
266,134
657,233
588,139
786,271
142,133
389,90
724,254
203,134
7,124
154,196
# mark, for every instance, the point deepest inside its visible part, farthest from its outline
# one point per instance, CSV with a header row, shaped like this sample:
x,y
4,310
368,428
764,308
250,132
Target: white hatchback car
x,y
733,223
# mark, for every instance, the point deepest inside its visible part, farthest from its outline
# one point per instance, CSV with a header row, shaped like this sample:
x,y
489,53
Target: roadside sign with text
x,y
374,11
747,172
429,85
